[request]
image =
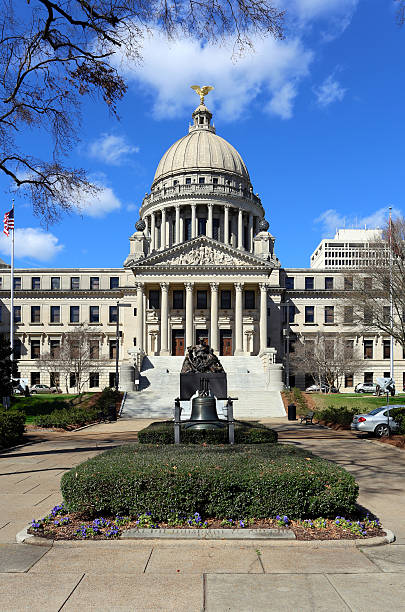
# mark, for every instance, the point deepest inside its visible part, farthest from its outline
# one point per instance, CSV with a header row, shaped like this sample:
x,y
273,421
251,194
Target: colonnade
x,y
189,287
166,227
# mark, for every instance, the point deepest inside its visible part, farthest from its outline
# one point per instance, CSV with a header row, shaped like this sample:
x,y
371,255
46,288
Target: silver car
x,y
377,421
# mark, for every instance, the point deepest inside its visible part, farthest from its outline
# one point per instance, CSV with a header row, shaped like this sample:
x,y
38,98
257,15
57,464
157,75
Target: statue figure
x,y
202,359
202,91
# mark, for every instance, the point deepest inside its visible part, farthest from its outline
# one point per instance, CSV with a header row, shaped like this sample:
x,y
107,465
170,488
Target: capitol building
x,y
202,264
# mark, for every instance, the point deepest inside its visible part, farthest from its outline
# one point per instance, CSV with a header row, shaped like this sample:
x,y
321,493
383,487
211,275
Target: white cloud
x,y
169,68
132,207
100,203
315,9
329,91
331,220
33,243
111,149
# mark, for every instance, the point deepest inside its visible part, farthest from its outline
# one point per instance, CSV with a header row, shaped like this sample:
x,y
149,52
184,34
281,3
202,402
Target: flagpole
x,y
391,299
12,292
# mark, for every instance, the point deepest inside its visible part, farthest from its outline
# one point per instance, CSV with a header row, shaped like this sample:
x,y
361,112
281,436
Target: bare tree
x,y
327,357
383,272
55,52
77,355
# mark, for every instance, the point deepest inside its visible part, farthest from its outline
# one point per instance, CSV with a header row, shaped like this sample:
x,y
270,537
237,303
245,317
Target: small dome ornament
x,y
140,225
263,225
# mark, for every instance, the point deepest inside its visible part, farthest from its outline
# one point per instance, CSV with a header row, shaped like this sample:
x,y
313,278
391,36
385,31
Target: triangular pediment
x,y
203,252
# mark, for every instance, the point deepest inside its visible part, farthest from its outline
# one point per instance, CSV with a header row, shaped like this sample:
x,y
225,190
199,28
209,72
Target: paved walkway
x,y
194,576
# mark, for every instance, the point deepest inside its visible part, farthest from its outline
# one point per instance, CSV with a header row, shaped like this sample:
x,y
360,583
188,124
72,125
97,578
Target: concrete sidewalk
x,y
203,575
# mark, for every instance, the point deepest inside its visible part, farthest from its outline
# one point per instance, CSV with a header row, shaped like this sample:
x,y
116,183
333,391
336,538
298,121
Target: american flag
x,y
8,222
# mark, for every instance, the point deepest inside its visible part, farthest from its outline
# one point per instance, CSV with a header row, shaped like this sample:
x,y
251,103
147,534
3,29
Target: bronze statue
x,y
200,358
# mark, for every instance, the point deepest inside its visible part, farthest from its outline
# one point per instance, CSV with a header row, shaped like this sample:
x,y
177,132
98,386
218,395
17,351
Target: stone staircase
x,y
159,386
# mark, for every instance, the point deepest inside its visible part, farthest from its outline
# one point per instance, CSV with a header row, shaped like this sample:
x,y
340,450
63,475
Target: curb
x,y
208,534
23,537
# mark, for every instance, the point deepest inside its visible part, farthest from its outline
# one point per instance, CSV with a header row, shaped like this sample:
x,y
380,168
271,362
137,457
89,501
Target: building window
x,y
17,314
188,181
368,316
134,312
226,299
175,183
368,283
386,349
35,314
114,282
201,180
94,380
215,229
54,379
386,314
154,298
35,349
202,300
94,283
348,283
111,380
75,282
215,181
35,283
55,314
113,349
329,314
202,226
289,282
113,314
54,347
55,283
349,380
328,282
178,299
249,299
35,378
187,229
17,282
309,314
94,347
349,349
17,349
1,282
368,349
348,314
74,314
72,379
309,283
291,314
94,314
368,377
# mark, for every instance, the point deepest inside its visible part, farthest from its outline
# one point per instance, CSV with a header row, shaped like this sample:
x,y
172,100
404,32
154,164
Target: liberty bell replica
x,y
203,410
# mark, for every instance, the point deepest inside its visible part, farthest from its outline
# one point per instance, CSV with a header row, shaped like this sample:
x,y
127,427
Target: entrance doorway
x,y
178,342
226,342
201,334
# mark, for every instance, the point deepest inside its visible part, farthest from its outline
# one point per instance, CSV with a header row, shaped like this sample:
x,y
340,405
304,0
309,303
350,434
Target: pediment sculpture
x,y
202,256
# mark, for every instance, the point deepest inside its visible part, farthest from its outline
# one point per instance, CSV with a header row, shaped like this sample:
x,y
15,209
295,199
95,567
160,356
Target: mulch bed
x,y
330,532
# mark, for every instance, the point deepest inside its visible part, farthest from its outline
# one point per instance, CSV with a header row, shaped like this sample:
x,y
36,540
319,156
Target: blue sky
x,y
318,119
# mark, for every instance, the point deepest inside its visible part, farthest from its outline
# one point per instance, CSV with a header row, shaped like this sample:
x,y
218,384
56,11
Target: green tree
x,y
8,368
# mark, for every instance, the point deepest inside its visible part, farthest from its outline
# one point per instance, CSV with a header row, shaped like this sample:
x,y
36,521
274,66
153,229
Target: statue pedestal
x,y
191,382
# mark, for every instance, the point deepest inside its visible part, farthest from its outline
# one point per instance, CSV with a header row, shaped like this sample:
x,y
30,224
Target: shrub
x,y
399,415
36,406
245,433
340,415
11,427
216,481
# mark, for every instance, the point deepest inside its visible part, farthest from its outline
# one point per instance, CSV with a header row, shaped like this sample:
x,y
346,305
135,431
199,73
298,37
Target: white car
x,y
365,388
40,389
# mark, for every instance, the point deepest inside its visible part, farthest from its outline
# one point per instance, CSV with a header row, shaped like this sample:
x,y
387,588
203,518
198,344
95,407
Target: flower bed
x,y
250,481
245,433
60,525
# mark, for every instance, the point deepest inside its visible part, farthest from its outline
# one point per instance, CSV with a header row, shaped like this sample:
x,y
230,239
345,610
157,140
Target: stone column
x,y
214,317
177,239
263,317
152,232
193,221
209,220
164,317
240,229
139,315
226,223
234,227
189,314
163,243
181,229
238,319
250,233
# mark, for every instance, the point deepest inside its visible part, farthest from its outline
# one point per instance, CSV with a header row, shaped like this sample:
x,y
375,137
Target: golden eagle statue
x,y
202,91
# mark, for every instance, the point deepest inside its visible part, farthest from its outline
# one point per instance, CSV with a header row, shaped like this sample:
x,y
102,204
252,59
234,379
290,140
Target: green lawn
x,y
354,400
39,404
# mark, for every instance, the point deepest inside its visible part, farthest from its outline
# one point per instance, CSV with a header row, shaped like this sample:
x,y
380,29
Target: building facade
x,y
202,265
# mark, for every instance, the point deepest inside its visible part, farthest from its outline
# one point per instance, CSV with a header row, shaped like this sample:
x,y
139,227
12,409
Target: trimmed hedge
x,y
341,415
216,481
11,427
399,415
245,433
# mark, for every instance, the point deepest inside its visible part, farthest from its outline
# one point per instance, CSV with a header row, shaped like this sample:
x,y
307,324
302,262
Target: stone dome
x,y
201,150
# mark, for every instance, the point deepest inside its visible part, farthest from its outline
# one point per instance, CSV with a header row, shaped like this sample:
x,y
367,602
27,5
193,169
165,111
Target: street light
x,y
118,334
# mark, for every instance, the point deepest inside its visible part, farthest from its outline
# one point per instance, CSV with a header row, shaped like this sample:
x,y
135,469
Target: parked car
x,y
365,388
324,388
40,389
377,421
